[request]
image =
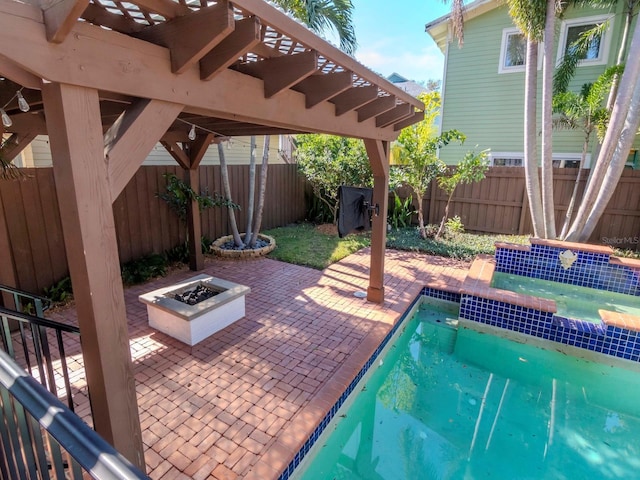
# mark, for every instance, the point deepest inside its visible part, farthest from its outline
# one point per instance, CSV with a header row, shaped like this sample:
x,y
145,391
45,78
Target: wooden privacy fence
x,y
498,204
30,225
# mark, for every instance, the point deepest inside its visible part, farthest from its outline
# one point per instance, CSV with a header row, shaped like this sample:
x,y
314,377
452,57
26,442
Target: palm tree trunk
x,y
547,124
224,172
532,181
252,189
612,177
262,192
576,185
612,150
622,50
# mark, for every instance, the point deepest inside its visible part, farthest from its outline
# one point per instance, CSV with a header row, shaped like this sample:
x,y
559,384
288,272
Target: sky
x,y
391,37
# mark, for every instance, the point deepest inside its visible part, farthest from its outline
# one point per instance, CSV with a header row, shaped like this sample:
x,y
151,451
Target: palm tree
x,y
320,16
584,111
530,17
621,132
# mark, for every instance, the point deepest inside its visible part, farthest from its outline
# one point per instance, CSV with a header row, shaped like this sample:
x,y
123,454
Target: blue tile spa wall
x,y
591,270
614,341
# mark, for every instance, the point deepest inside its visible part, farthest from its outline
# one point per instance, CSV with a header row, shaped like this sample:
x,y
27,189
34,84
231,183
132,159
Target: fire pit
x,y
196,308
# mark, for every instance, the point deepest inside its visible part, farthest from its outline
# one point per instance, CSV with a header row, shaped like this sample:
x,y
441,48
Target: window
x,y
513,51
506,159
516,159
572,30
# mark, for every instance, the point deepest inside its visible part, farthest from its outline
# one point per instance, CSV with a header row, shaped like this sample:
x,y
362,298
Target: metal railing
x,y
40,438
37,342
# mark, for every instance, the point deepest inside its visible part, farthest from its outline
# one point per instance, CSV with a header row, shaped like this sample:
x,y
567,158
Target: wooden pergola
x,y
106,80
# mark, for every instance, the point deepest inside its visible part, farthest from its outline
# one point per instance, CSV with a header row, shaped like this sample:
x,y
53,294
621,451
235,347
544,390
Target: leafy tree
x,y
328,162
419,163
472,168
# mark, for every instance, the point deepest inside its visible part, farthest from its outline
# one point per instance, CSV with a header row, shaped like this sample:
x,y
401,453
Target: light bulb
x,y
22,103
192,133
6,119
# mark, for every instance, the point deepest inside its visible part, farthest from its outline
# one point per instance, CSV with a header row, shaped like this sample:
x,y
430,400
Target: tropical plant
x,y
472,168
178,194
325,16
400,212
328,161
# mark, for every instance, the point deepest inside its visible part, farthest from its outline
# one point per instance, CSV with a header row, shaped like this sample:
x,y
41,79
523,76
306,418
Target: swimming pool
x,y
446,401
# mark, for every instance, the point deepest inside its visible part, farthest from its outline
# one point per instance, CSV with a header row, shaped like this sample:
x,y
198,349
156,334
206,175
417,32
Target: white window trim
x,y
494,155
556,156
605,41
503,51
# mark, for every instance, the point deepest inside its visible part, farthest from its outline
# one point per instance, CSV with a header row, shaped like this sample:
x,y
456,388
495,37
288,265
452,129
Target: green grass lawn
x,y
305,244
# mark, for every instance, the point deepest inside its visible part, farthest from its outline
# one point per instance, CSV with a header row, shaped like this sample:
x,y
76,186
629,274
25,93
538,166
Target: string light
x,y
22,103
6,119
194,128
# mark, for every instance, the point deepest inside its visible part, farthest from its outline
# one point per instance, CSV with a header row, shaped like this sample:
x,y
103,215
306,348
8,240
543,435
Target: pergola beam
x,y
415,118
95,57
167,8
245,36
86,212
280,73
15,144
177,153
132,136
318,88
17,74
353,98
60,16
394,115
119,23
191,37
378,106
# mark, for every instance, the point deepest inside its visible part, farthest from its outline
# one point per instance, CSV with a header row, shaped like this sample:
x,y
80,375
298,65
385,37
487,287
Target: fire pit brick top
x,y
163,297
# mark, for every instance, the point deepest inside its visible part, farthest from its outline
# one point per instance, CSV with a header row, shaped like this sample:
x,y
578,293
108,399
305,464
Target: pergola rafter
x,y
113,78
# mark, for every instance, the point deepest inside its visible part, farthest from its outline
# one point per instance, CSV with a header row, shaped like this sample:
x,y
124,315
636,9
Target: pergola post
x,y
85,202
378,152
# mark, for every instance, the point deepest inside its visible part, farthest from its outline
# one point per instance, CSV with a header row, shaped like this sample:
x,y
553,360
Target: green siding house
x,y
483,81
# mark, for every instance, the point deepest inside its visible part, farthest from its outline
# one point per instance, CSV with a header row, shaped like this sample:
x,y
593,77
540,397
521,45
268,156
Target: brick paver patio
x,y
242,402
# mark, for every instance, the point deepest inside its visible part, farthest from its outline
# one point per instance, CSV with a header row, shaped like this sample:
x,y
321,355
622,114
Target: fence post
x,y
523,211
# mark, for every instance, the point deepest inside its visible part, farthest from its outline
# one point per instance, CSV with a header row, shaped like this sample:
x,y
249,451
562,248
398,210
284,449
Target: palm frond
x,y
576,52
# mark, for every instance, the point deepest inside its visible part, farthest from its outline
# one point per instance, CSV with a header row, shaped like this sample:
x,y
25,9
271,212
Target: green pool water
x,y
572,301
458,404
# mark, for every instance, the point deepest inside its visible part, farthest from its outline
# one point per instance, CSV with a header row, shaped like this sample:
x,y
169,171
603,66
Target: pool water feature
x,y
573,301
617,330
445,401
